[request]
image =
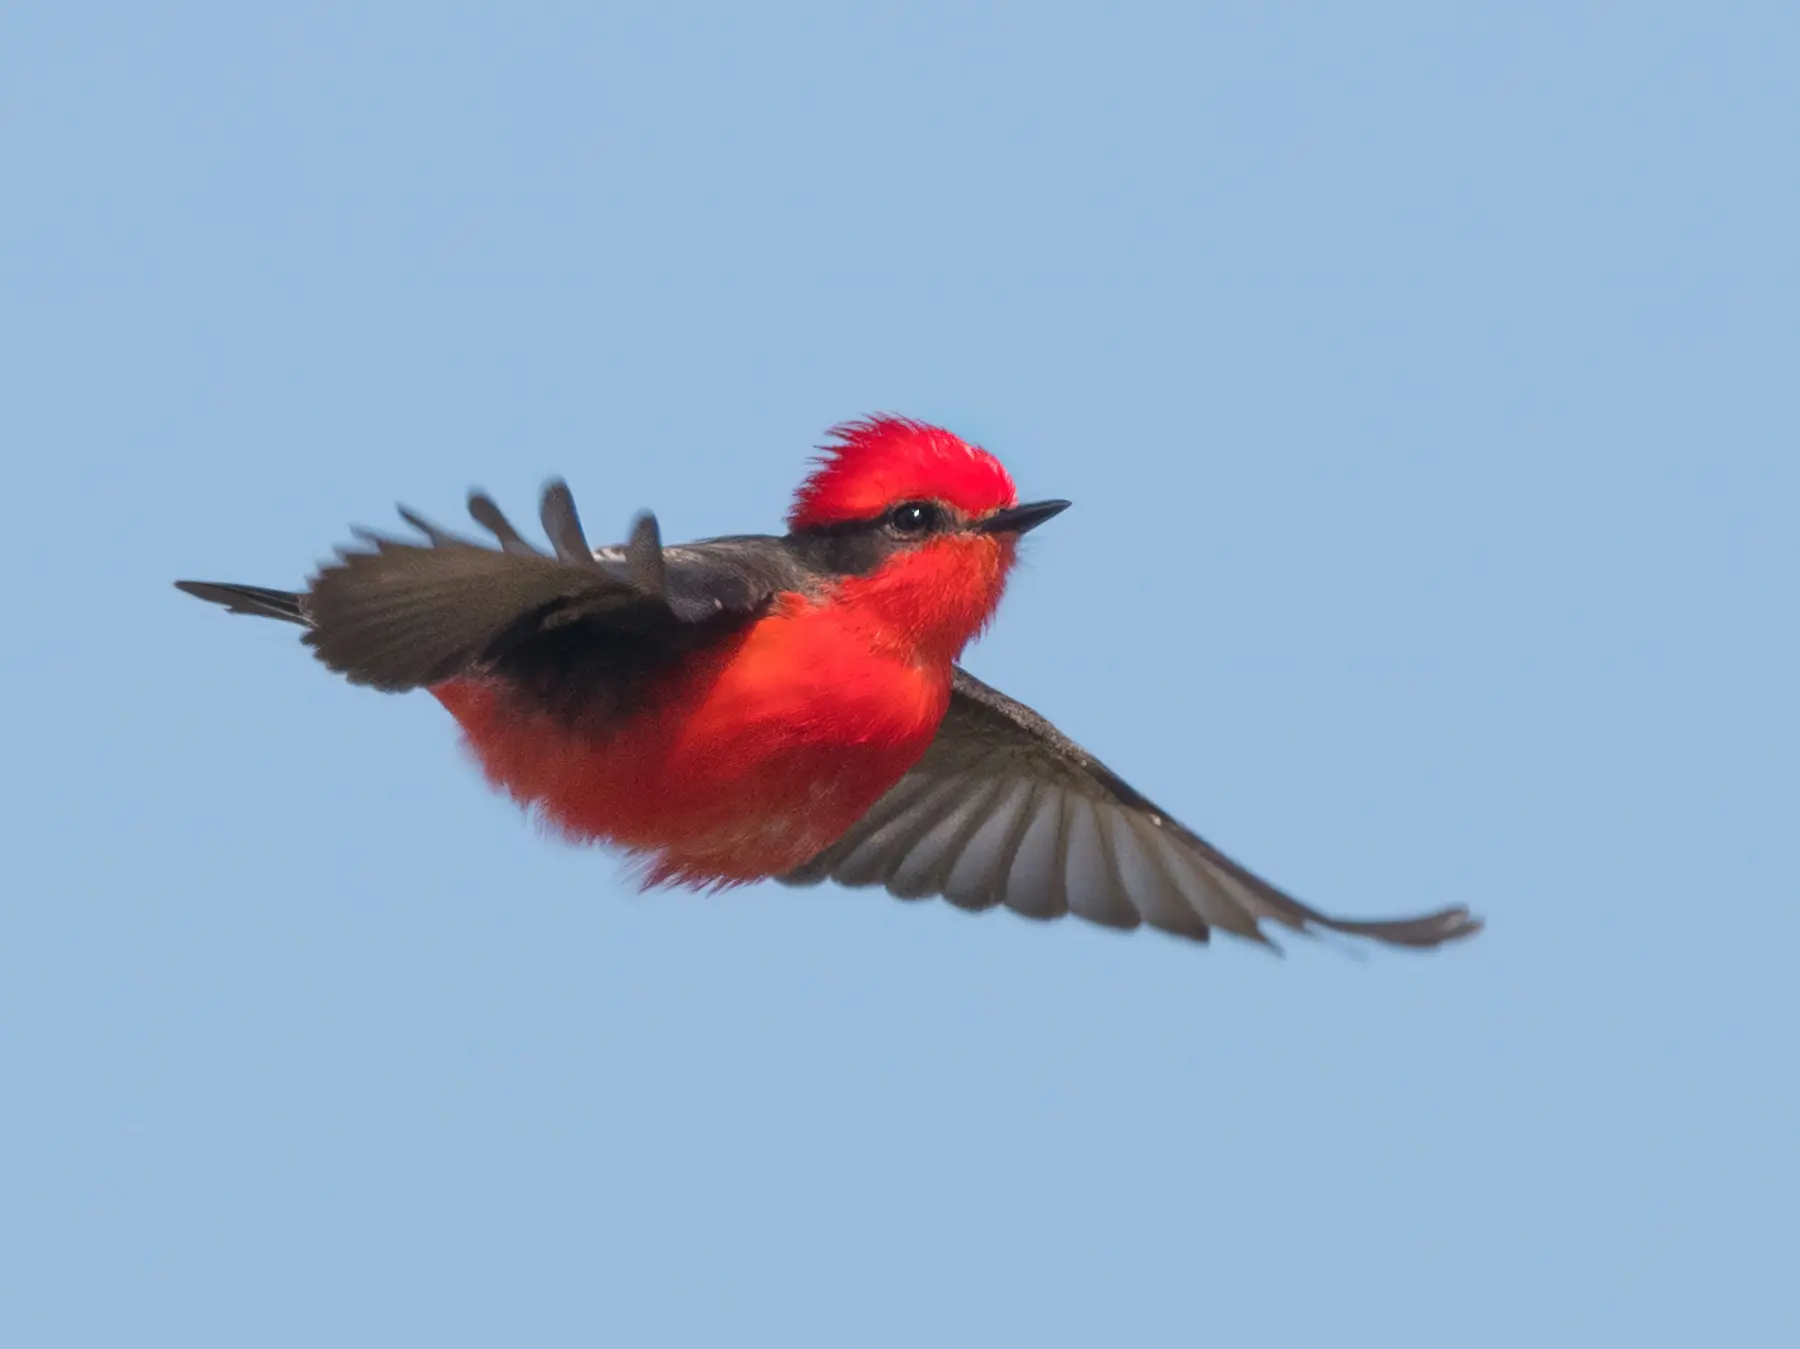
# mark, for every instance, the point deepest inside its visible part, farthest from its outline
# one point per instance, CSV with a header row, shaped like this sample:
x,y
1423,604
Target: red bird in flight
x,y
789,707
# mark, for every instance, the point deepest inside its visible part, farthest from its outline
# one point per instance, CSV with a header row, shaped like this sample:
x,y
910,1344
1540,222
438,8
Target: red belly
x,y
745,762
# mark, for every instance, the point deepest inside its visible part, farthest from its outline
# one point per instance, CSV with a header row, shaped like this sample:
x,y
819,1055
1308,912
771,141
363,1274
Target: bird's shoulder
x,y
981,721
734,573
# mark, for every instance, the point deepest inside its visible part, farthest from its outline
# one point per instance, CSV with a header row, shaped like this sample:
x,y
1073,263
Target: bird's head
x,y
921,526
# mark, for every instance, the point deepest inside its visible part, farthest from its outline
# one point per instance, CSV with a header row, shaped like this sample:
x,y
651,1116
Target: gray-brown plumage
x,y
1005,809
577,626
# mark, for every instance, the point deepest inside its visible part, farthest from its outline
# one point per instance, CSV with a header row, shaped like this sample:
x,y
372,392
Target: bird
x,y
788,707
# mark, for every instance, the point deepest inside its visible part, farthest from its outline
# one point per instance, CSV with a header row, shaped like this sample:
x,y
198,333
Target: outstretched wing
x,y
401,614
1005,809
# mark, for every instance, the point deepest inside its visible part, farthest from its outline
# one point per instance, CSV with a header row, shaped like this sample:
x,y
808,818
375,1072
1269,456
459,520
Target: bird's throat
x,y
926,606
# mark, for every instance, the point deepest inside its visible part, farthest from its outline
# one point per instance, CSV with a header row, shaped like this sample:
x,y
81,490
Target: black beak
x,y
1018,519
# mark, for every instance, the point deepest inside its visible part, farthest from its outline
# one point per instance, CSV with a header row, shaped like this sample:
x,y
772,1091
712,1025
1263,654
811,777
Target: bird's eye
x,y
913,518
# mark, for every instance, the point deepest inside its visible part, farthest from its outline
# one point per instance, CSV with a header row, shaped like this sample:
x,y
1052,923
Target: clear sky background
x,y
1424,377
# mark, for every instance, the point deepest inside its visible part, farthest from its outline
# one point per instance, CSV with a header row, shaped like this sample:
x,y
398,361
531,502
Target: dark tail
x,y
282,604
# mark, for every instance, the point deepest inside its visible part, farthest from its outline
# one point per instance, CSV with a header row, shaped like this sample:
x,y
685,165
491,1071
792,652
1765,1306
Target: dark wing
x,y
1005,809
402,614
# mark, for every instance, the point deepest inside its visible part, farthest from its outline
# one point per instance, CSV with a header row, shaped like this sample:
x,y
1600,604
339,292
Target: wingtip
x,y
562,523
1468,925
1423,933
1431,930
644,557
486,513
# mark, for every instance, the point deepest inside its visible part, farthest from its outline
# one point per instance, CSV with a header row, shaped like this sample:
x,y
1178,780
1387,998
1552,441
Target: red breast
x,y
745,760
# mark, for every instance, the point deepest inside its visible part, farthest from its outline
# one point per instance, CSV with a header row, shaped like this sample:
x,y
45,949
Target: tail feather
x,y
241,599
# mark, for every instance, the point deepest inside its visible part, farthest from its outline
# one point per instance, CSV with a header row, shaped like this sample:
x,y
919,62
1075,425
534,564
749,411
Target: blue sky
x,y
1424,379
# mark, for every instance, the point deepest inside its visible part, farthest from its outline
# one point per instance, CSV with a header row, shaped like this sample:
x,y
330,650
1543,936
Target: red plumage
x,y
748,757
745,760
871,464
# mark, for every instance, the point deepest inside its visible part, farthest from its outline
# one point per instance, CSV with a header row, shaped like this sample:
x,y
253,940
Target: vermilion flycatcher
x,y
788,707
